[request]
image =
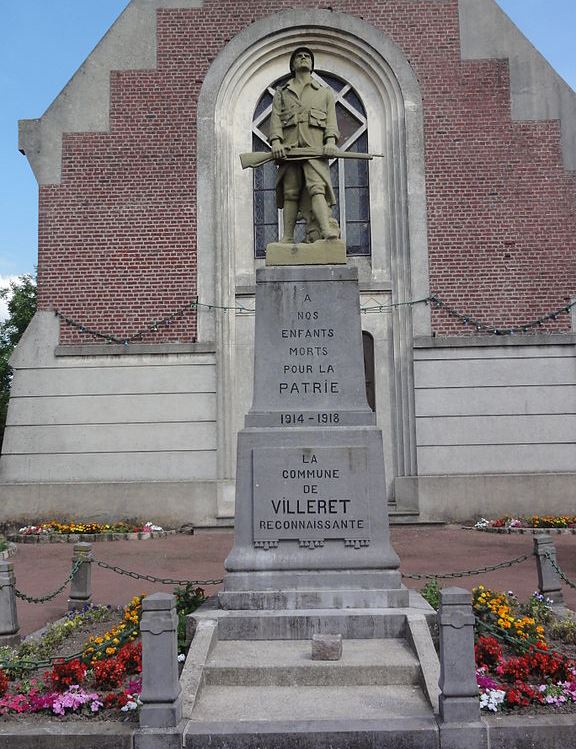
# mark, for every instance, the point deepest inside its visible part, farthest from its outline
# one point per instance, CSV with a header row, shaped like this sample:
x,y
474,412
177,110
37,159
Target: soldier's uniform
x,y
307,119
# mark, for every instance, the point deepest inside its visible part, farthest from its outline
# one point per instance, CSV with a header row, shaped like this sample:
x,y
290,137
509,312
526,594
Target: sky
x,y
43,42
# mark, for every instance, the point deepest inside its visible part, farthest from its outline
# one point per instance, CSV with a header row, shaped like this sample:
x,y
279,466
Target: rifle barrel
x,y
259,158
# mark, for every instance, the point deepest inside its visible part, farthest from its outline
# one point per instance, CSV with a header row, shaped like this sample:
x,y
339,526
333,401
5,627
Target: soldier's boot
x,y
290,215
323,215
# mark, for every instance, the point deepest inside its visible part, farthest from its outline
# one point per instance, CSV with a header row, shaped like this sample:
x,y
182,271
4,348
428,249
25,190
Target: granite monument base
x,y
321,252
313,533
311,529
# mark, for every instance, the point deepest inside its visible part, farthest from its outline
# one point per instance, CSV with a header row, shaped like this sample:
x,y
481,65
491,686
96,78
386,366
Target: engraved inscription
x,y
311,494
307,366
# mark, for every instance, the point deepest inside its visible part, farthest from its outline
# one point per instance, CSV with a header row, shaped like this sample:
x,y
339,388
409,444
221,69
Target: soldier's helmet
x,y
300,49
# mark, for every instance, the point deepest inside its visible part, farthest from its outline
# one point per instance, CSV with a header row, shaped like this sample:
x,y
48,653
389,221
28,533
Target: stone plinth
x,y
311,525
321,252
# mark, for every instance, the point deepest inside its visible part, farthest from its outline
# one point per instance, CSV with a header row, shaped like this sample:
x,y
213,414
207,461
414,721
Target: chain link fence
x,y
218,581
559,571
468,573
49,596
153,578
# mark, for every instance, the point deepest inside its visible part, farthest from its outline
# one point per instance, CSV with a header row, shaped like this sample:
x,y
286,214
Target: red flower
x,y
515,669
4,682
114,699
130,656
65,674
488,652
520,695
108,674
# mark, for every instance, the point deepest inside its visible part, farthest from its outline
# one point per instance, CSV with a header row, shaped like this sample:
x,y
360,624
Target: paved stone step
x,y
357,624
289,663
271,703
383,733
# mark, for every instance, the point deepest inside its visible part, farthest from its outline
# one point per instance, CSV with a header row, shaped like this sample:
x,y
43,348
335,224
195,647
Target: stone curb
x,y
67,735
527,531
505,732
9,552
74,538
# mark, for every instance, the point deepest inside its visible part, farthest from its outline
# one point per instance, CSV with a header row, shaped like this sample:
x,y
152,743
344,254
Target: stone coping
x,y
9,552
74,538
504,731
528,531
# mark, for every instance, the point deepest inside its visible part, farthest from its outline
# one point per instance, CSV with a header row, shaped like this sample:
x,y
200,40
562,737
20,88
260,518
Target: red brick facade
x,y
118,235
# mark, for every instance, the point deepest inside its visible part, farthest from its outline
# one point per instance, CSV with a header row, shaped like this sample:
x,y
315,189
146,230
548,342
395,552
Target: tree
x,y
21,296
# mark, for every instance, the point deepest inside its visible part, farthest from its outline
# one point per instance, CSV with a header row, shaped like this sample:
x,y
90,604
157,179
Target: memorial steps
x,y
257,686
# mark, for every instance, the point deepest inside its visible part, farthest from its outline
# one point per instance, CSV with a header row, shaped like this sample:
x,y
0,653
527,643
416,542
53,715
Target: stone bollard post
x,y
9,626
161,692
549,584
459,701
81,583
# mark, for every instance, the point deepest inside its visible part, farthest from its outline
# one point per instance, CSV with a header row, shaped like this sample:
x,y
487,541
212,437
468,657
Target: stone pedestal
x,y
311,512
81,583
9,627
321,252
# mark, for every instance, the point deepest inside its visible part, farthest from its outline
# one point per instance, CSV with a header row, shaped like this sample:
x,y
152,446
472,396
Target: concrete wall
x,y
145,418
491,409
495,427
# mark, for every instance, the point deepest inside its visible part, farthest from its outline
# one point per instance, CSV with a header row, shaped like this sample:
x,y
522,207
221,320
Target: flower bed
x,y
531,524
44,677
103,675
7,550
516,665
55,531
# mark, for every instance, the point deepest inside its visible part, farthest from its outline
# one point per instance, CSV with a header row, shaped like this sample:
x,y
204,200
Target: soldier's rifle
x,y
253,159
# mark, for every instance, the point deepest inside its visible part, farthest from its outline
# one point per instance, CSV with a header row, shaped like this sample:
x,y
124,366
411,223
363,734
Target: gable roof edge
x,y
537,91
83,105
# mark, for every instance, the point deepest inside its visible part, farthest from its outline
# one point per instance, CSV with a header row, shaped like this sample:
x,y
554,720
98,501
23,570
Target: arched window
x,y
349,176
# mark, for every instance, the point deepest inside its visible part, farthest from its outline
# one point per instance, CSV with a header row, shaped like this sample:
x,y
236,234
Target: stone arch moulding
x,y
380,71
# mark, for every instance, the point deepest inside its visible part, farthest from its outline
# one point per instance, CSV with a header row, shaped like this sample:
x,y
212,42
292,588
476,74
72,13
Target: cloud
x,y
4,283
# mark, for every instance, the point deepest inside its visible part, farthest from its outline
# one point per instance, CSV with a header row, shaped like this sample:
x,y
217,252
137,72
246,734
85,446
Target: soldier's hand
x,y
330,149
278,150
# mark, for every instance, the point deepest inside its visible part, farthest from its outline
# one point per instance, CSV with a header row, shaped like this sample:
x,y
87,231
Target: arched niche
x,y
398,269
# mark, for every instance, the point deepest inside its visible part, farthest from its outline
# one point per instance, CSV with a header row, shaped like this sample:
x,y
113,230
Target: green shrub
x,y
564,629
431,593
188,599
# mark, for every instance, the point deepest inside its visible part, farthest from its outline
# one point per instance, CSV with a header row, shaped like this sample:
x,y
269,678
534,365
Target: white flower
x,y
491,699
150,527
482,523
181,658
134,702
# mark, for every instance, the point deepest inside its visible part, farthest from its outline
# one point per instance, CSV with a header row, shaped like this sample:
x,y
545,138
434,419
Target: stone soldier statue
x,y
304,116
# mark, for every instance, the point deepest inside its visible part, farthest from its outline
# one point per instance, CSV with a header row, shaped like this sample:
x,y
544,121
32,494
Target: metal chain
x,y
43,599
152,578
469,573
29,665
554,564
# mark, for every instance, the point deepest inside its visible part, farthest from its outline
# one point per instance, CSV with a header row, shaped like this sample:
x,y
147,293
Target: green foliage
x,y
34,650
21,296
187,600
3,544
538,607
431,593
564,629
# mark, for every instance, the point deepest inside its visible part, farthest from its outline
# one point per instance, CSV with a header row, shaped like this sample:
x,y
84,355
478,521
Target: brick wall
x,y
118,235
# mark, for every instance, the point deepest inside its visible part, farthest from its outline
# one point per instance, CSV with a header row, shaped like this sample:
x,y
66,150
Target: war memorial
x,y
303,271
314,640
